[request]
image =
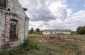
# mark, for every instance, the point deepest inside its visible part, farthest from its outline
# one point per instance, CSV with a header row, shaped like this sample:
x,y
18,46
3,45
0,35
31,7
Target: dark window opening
x,y
8,9
13,30
3,3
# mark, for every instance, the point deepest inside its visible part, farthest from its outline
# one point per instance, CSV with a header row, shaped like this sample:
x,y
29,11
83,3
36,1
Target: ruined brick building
x,y
13,23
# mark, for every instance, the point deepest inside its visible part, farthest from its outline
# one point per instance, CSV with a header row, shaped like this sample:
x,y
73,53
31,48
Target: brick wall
x,y
16,12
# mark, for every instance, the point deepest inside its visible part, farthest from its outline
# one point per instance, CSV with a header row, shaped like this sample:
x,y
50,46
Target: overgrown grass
x,y
23,49
72,48
56,47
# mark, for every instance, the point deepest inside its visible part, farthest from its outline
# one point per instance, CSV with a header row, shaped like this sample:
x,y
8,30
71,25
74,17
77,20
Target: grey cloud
x,y
58,26
43,15
39,11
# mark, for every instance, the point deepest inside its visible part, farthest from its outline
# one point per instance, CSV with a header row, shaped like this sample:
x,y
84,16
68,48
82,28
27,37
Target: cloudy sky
x,y
55,14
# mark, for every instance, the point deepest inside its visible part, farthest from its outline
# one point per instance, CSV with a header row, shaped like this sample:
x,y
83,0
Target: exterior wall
x,y
15,7
16,12
26,27
46,33
2,19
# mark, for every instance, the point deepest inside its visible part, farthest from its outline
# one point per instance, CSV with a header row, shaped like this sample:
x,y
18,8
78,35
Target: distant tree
x,y
37,30
84,29
31,31
81,30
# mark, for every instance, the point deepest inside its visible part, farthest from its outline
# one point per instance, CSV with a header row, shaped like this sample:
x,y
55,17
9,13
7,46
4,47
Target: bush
x,y
30,44
22,49
81,30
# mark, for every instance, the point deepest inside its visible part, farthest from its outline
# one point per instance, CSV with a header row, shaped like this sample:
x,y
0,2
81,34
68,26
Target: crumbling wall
x,y
15,12
26,27
20,29
2,19
15,7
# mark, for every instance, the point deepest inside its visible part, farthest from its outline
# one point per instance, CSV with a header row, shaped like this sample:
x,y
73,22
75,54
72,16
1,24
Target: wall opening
x,y
3,3
13,30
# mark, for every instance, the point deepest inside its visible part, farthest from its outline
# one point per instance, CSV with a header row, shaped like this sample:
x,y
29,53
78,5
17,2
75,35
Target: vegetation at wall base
x,y
23,49
43,45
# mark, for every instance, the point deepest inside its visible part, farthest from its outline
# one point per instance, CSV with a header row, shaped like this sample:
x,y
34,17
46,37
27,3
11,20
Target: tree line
x,y
81,30
36,31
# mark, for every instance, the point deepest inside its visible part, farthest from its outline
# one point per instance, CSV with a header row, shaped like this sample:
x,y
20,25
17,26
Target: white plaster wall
x,y
45,33
64,32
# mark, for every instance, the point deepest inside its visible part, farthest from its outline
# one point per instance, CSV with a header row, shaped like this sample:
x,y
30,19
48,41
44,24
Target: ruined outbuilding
x,y
13,23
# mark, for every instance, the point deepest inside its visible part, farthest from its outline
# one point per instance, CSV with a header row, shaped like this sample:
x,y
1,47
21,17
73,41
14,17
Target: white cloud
x,y
24,3
43,12
36,24
69,12
58,9
39,9
77,19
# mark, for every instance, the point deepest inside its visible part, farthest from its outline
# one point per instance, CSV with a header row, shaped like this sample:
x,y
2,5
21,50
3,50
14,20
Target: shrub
x,y
22,49
30,44
81,30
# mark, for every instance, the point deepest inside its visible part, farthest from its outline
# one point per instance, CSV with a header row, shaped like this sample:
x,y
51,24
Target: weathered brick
x,y
16,12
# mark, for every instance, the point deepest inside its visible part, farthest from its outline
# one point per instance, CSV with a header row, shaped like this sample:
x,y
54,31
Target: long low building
x,y
57,31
